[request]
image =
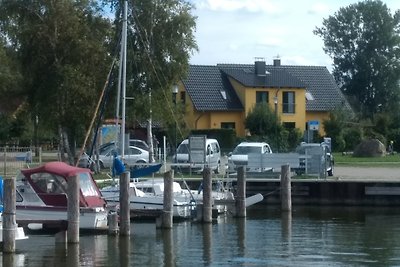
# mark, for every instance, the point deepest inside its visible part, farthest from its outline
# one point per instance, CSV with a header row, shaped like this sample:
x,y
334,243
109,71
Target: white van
x,y
181,161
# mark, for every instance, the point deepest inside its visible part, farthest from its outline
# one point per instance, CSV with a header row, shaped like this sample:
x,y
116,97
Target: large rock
x,y
370,148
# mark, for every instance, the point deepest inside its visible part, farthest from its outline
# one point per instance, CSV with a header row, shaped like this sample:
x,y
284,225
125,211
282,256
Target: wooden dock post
x,y
241,193
286,190
73,209
207,198
124,210
9,220
167,215
113,223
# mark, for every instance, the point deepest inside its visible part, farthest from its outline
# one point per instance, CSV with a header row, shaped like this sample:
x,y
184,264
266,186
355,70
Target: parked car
x,y
212,157
321,148
139,143
133,156
239,156
132,142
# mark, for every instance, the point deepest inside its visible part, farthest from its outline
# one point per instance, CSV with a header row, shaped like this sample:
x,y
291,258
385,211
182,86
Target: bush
x,y
352,137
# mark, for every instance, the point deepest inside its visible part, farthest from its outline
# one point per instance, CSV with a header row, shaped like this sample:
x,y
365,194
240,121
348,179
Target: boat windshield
x,y
87,185
49,183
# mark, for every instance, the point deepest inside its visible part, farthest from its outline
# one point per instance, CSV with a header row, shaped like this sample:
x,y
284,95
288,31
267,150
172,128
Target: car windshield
x,y
183,149
245,150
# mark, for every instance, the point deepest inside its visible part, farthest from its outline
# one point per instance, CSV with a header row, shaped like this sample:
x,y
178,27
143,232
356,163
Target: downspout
x,y
197,120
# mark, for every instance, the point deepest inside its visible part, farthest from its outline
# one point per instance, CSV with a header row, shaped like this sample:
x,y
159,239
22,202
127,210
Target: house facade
x,y
222,96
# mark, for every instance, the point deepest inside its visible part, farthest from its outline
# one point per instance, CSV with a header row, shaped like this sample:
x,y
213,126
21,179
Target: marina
x,y
312,236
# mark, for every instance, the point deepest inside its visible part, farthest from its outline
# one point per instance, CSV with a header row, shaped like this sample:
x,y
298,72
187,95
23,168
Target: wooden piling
x,y
167,215
286,190
124,209
113,224
73,210
9,220
207,197
241,193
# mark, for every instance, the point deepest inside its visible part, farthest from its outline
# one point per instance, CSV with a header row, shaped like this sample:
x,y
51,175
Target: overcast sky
x,y
238,31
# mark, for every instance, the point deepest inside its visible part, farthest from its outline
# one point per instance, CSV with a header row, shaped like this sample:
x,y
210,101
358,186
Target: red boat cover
x,y
66,171
56,167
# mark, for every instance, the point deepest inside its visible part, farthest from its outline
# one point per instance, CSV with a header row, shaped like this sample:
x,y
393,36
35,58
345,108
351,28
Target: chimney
x,y
260,66
277,62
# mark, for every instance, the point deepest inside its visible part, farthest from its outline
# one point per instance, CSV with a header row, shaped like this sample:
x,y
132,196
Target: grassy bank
x,y
384,161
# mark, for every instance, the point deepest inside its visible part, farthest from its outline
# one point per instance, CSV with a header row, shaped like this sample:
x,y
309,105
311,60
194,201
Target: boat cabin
x,y
47,186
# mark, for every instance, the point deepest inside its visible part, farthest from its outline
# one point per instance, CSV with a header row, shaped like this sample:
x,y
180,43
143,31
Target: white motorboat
x,y
141,202
42,196
220,196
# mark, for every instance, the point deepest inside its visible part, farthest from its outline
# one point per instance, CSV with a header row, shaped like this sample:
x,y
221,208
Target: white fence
x,y
12,159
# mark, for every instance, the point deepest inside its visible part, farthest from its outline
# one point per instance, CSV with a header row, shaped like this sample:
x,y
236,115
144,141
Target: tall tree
x,y
62,47
160,42
363,40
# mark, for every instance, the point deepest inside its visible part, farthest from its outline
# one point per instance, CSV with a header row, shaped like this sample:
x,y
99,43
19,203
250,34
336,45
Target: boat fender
x,y
200,188
1,189
118,166
1,194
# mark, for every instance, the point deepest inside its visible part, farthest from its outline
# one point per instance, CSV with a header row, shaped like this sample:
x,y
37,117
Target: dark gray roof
x,y
321,84
273,78
205,83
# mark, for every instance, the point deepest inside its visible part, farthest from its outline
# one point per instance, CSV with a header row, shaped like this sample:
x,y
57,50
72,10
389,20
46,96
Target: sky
x,y
238,31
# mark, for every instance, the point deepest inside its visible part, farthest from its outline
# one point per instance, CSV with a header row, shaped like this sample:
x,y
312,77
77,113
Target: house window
x,y
183,97
261,97
227,125
289,125
288,105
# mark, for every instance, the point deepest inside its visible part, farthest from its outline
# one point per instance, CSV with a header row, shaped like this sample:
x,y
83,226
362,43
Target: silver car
x,y
133,156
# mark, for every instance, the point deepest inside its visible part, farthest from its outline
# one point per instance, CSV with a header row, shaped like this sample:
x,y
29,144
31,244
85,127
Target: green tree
x,y
334,128
62,49
364,42
160,43
10,79
264,125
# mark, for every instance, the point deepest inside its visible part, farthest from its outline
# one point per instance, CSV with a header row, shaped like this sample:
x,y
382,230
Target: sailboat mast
x,y
123,84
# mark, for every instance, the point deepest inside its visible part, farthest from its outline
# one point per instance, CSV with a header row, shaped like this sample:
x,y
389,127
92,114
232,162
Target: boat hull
x,y
89,219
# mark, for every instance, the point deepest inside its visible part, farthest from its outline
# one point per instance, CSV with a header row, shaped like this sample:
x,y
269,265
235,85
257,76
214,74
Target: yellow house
x,y
221,96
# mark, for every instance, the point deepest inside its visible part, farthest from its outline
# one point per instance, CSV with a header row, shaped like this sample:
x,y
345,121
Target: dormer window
x,y
223,93
309,96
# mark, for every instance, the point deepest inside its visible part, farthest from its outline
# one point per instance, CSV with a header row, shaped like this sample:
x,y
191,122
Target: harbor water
x,y
309,236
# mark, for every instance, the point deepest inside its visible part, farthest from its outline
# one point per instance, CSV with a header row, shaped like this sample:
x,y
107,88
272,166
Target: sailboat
x,y
140,202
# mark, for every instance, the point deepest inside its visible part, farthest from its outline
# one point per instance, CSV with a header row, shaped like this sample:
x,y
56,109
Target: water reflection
x,y
207,243
73,255
124,251
241,235
308,236
168,247
286,223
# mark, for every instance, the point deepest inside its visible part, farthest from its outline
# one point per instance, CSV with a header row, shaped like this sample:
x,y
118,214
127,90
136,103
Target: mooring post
x,y
207,197
124,210
167,214
9,220
241,193
73,209
113,224
286,190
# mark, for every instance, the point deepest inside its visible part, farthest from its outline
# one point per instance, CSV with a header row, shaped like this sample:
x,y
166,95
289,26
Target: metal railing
x,y
13,159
